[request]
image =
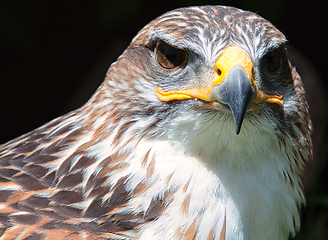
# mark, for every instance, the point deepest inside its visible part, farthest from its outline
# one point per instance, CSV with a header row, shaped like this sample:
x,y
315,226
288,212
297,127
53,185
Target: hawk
x,y
200,130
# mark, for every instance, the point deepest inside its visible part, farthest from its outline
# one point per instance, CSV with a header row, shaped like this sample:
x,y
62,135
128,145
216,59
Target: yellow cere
x,y
231,57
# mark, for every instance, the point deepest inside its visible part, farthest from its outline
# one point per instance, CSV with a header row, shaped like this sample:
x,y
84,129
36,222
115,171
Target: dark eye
x,y
170,57
272,61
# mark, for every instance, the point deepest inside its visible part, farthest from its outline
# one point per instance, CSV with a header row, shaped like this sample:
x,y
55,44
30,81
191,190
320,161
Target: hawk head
x,y
200,130
209,76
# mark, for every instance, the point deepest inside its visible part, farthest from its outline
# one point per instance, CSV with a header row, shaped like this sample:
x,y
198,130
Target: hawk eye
x,y
272,61
169,57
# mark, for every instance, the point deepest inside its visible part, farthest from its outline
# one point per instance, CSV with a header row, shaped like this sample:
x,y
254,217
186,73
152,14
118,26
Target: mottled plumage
x,y
163,151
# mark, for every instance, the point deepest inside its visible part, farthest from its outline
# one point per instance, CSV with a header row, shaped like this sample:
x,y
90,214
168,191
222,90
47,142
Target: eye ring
x,y
273,61
169,57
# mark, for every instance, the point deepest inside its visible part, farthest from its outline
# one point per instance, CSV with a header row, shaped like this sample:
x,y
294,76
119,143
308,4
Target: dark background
x,y
54,54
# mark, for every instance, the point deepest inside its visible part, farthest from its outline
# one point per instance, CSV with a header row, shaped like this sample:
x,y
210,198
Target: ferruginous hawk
x,y
200,130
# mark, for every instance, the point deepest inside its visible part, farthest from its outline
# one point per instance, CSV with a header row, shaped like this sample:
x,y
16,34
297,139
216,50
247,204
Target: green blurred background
x,y
54,54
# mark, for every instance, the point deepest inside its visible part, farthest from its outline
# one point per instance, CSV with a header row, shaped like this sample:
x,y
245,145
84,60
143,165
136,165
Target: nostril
x,y
218,71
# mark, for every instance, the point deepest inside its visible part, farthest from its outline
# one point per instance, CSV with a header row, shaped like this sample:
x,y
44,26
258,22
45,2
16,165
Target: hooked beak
x,y
232,88
235,94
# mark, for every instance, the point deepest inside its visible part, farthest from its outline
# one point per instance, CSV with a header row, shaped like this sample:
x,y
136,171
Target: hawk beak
x,y
232,88
235,94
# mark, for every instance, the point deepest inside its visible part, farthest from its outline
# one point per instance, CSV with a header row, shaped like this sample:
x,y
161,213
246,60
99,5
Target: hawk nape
x,y
200,130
